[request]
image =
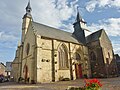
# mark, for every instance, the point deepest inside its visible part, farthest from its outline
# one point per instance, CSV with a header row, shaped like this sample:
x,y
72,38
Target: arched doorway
x,y
78,66
25,71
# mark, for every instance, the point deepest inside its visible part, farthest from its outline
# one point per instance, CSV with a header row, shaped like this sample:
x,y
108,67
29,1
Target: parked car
x,y
2,78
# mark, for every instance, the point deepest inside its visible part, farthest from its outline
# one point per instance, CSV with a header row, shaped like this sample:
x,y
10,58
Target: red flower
x,y
92,83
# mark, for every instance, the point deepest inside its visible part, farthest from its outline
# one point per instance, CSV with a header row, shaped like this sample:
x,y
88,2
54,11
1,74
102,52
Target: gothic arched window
x,y
63,57
92,56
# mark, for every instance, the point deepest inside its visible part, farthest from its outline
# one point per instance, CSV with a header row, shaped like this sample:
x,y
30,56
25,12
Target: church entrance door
x,y
25,72
78,71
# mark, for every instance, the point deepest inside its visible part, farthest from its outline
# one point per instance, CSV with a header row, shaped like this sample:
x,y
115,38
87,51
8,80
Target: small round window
x,y
27,48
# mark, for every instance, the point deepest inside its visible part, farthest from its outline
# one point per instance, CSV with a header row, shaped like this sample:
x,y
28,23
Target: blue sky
x,y
59,14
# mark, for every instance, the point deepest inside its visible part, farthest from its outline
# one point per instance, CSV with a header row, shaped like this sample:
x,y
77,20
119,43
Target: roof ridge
x,y
96,32
51,27
94,36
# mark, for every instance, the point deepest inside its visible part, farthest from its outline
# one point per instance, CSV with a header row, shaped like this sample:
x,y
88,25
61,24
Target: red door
x,y
78,71
25,71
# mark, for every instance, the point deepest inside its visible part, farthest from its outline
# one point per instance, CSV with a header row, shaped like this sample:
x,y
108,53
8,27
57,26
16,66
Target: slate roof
x,y
53,33
94,36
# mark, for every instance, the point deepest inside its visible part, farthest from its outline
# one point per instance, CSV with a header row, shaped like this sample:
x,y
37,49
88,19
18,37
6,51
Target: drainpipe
x,y
21,59
53,64
71,72
35,59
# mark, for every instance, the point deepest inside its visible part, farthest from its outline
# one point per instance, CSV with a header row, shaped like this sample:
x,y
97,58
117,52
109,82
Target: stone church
x,y
47,54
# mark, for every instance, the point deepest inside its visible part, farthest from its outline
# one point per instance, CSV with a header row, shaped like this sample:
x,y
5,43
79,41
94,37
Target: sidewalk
x,y
108,84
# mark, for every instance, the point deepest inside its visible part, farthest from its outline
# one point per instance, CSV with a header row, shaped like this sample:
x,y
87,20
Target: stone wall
x,y
28,57
45,57
104,65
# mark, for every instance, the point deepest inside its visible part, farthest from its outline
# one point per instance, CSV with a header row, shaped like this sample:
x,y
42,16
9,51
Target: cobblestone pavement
x,y
108,84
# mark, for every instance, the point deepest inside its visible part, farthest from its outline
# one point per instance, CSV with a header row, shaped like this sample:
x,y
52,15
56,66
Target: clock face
x,y
27,48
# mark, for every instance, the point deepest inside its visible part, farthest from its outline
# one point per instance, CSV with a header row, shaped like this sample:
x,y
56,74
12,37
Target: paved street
x,y
108,84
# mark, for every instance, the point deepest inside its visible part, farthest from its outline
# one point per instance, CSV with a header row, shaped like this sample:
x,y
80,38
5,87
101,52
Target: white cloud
x,y
116,3
7,37
111,26
8,40
116,48
92,4
53,12
1,34
68,27
116,44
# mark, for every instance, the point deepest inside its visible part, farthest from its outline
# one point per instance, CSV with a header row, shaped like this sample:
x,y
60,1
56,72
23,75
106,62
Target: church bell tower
x,y
79,27
26,20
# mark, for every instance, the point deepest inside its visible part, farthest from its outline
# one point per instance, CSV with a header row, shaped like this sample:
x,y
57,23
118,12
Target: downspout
x,y
35,57
53,64
21,59
115,61
71,73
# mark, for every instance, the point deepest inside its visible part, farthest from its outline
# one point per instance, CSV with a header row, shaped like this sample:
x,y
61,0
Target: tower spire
x,y
27,18
79,18
79,24
28,10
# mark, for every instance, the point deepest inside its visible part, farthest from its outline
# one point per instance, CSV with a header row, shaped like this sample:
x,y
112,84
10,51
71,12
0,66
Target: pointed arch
x,y
63,57
25,71
77,56
92,56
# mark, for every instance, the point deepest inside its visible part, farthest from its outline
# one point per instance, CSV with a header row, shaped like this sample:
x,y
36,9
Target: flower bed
x,y
90,84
